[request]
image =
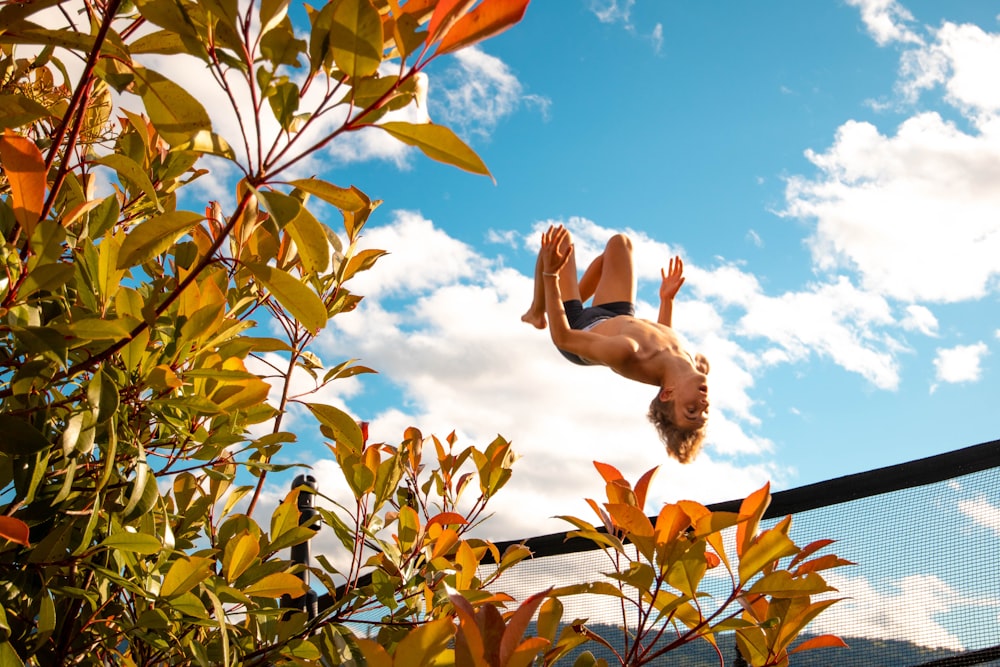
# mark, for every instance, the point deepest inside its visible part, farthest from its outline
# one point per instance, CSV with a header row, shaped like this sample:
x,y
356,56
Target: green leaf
x,y
300,301
95,328
18,110
439,143
139,543
48,277
344,429
128,169
174,112
155,236
356,38
167,14
164,42
20,437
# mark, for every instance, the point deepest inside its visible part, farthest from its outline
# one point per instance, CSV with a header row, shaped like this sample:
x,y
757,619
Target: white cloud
x,y
960,363
461,359
907,609
926,193
963,59
982,512
920,319
886,21
478,92
612,11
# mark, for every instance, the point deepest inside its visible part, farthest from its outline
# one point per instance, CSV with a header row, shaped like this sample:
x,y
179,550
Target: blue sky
x,y
826,169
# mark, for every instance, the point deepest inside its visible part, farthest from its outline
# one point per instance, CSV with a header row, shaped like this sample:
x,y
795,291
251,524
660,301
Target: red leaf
x,y
488,19
822,641
14,530
809,550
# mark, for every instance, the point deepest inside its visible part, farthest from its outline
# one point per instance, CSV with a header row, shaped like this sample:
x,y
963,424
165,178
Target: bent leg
x,y
616,281
569,288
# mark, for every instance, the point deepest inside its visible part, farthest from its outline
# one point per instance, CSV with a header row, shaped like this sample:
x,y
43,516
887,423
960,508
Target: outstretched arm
x,y
673,278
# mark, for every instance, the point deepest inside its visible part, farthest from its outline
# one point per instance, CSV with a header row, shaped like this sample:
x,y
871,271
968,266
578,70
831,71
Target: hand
x,y
672,279
556,249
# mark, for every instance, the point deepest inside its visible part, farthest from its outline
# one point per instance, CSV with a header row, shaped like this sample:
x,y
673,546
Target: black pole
x,y
300,553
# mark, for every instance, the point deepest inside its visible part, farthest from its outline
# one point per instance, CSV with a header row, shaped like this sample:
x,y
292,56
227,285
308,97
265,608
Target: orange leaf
x,y
824,562
444,542
631,519
608,472
822,641
25,169
469,640
752,509
518,623
642,486
447,519
14,530
671,522
619,491
445,14
488,19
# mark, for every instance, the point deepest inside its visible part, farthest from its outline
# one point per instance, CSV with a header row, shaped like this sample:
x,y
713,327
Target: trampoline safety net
x,y
924,590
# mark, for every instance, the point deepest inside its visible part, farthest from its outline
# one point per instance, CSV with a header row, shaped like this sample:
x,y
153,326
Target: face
x,y
690,396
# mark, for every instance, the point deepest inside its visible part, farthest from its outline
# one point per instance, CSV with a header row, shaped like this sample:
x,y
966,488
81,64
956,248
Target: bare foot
x,y
535,317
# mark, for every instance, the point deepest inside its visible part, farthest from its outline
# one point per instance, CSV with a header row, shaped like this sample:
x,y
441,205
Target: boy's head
x,y
680,413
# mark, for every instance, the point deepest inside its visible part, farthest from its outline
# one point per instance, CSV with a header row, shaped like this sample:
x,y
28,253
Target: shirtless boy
x,y
609,334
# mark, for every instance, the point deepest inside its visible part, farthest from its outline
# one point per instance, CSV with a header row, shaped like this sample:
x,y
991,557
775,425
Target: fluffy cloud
x,y
477,92
960,363
924,191
886,20
909,608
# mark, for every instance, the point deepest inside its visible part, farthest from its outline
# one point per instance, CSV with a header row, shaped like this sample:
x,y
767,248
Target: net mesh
x,y
924,590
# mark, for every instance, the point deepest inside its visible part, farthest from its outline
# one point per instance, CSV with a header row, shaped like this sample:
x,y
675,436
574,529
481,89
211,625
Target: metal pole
x,y
300,553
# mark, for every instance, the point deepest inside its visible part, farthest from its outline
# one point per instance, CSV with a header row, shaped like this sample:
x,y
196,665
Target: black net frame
x,y
901,518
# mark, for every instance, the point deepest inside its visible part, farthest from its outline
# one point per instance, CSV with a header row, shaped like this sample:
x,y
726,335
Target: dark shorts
x,y
583,318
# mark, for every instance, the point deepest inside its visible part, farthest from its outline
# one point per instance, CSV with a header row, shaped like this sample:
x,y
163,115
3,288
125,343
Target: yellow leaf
x,y
375,655
769,547
185,574
356,38
277,584
240,554
439,143
421,647
751,510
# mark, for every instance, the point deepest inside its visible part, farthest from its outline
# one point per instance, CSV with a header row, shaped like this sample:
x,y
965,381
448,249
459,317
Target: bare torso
x,y
656,350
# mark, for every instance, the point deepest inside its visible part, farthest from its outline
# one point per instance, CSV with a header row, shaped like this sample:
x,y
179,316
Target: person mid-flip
x,y
608,333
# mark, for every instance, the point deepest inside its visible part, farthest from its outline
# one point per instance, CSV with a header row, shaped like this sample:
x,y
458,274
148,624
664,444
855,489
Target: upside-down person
x,y
607,333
